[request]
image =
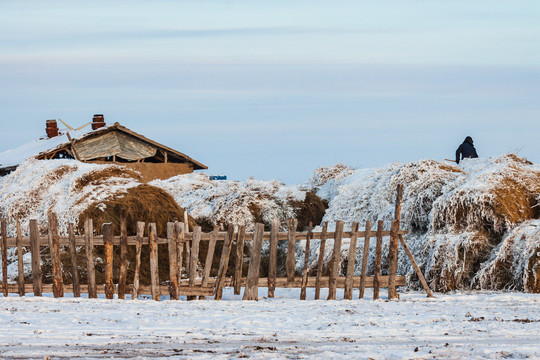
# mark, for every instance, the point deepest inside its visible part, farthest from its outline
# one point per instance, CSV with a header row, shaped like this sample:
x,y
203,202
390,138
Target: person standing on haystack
x,y
466,150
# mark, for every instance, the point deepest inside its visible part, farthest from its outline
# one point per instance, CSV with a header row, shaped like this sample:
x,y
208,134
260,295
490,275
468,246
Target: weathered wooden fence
x,y
183,259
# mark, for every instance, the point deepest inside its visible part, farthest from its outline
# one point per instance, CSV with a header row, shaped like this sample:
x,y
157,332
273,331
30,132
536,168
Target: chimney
x,y
51,129
98,121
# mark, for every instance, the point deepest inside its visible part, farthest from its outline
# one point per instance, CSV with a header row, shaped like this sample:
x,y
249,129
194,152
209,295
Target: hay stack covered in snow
x,y
470,226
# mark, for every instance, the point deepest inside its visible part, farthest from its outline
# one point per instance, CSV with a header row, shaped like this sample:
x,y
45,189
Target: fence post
x,y
20,259
365,257
291,249
74,265
378,255
239,259
305,274
173,268
179,238
123,255
251,291
322,248
224,263
89,241
106,230
393,260
347,294
210,256
54,249
138,250
272,265
336,260
4,257
194,258
36,257
154,267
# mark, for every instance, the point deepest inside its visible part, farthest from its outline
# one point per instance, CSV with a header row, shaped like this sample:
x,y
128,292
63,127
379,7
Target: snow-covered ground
x,y
451,326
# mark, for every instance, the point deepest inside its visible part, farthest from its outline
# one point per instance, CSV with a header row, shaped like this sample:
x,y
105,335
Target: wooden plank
x,y
393,261
415,265
347,294
194,258
378,255
138,249
365,258
173,265
54,249
291,248
251,291
210,256
107,232
320,263
122,275
336,260
20,263
36,258
4,258
179,233
239,258
74,265
224,264
154,267
272,264
306,264
89,236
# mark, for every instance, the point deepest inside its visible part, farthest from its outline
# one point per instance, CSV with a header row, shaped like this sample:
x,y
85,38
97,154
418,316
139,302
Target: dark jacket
x,y
466,150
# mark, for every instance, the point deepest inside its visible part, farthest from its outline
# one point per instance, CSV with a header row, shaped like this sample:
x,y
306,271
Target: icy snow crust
x,y
452,326
462,220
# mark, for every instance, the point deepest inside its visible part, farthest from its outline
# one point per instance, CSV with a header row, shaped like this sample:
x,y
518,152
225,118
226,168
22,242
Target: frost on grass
x,y
457,217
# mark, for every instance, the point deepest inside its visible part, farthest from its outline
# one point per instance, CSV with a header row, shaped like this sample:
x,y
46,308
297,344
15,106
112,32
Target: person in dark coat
x,y
466,150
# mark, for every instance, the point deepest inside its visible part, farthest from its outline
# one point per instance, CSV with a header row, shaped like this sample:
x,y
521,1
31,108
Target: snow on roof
x,y
14,157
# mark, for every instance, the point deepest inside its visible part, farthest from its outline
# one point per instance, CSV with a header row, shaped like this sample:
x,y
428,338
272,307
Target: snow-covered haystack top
x,y
67,187
225,202
457,216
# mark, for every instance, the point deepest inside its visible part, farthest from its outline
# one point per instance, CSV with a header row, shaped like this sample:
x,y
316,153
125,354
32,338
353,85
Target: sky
x,y
273,90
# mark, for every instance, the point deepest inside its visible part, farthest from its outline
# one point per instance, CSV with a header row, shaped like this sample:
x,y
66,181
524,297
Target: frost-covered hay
x,y
515,265
227,203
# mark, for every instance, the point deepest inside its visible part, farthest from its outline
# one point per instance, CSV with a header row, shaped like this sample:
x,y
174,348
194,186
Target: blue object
x,y
218,177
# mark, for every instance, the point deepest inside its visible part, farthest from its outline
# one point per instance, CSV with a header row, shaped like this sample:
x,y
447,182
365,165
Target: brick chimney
x,y
98,121
51,128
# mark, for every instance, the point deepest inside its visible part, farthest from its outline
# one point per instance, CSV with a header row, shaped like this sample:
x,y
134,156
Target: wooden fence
x,y
183,256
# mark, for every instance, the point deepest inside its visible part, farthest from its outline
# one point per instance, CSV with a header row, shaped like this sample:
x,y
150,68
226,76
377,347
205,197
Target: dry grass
x,y
97,177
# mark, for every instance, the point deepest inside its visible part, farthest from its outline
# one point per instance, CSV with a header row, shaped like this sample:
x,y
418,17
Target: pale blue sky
x,y
276,89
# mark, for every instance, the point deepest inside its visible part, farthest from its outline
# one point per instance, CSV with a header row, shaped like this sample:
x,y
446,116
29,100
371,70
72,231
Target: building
x,y
114,144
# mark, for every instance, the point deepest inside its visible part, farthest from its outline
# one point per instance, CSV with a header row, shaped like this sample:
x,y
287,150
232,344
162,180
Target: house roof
x,y
41,147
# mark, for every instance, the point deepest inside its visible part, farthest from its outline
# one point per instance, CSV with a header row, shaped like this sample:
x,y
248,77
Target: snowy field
x,y
452,326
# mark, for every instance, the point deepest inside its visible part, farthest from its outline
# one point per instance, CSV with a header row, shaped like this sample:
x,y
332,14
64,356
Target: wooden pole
x,y
416,268
336,260
154,267
378,255
224,263
20,259
365,257
306,264
210,255
194,258
272,264
251,291
4,257
36,257
54,248
322,248
89,241
138,250
399,199
74,265
347,294
239,259
179,232
173,266
393,261
107,232
291,249
122,276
